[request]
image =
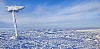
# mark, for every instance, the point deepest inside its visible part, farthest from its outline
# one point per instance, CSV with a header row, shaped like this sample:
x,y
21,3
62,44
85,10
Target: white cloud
x,y
4,17
43,16
80,8
77,12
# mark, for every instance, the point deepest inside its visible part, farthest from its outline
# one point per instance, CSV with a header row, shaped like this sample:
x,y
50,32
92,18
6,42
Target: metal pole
x,y
14,22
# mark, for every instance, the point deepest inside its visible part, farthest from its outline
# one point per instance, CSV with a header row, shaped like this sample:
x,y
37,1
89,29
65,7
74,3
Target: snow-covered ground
x,y
50,39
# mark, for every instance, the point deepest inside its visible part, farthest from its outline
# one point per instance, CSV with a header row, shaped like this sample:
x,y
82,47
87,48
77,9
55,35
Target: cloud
x,y
76,12
1,6
43,15
5,17
80,8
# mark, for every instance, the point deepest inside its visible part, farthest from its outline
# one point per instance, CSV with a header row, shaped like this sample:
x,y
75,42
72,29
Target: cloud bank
x,y
79,15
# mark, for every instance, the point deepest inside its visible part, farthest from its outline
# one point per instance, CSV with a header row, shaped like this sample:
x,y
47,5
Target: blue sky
x,y
52,13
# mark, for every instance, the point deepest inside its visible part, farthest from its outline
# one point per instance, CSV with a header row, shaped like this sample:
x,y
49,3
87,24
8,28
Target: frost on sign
x,y
14,8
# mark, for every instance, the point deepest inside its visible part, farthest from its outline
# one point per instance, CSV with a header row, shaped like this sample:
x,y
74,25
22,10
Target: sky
x,y
51,13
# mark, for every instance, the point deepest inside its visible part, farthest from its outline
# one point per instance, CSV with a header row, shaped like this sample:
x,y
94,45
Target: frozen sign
x,y
14,8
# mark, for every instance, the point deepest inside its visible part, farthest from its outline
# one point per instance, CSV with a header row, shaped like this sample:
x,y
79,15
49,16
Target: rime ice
x,y
14,9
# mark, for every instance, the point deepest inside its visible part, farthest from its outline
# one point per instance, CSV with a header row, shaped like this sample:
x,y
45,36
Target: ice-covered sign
x,y
14,8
